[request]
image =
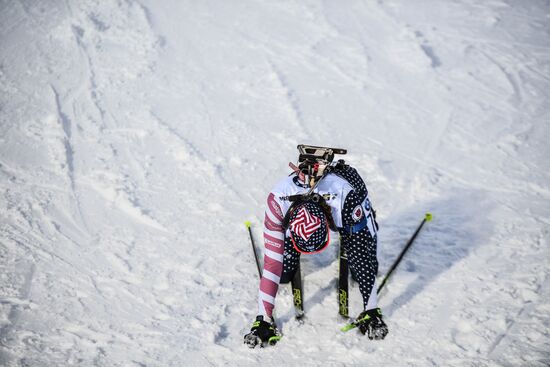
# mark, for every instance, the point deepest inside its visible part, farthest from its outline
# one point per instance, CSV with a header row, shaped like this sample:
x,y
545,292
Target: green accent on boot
x,y
348,327
356,323
274,339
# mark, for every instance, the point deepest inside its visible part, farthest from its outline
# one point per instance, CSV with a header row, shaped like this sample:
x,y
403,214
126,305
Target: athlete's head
x,y
309,227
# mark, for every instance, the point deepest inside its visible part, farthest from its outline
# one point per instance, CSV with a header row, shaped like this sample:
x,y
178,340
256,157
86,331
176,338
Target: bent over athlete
x,y
301,211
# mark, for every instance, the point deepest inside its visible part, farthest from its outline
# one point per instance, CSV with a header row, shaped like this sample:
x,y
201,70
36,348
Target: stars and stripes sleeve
x,y
273,256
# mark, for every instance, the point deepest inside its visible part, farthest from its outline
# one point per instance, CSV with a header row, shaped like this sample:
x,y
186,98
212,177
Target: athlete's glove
x,y
370,323
262,333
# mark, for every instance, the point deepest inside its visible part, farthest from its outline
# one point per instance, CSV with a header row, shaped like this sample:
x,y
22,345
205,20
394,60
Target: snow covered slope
x,y
137,136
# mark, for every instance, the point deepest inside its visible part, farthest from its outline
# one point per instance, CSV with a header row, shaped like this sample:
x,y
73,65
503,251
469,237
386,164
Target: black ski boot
x,y
370,323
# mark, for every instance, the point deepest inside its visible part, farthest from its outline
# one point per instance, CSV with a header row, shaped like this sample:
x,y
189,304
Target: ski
x,y
297,293
343,308
351,325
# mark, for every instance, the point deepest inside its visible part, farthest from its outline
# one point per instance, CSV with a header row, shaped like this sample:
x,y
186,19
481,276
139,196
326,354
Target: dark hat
x,y
309,229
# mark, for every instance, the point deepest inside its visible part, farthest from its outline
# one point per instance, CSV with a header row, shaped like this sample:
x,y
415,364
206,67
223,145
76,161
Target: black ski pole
x,y
278,335
427,218
247,224
297,293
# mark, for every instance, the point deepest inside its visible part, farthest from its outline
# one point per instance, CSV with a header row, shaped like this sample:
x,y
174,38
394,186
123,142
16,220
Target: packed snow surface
x,y
136,137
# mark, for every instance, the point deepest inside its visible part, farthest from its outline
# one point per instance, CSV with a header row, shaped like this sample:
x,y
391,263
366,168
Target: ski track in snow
x,y
137,136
